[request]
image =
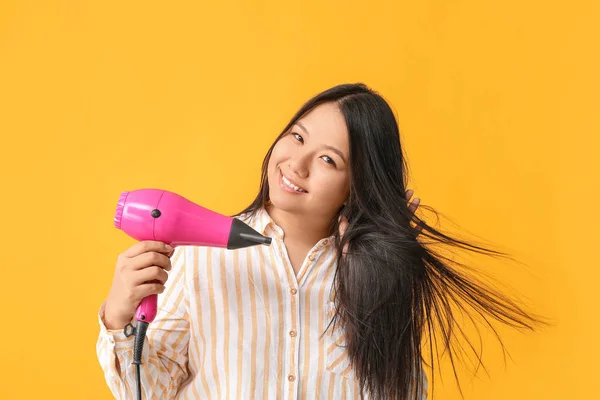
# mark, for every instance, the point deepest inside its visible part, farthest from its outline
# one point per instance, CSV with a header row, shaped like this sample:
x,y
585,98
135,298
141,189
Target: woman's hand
x,y
412,207
413,204
141,271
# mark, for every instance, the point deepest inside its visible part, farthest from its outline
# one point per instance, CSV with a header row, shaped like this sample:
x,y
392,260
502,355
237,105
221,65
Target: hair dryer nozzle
x,y
241,235
260,239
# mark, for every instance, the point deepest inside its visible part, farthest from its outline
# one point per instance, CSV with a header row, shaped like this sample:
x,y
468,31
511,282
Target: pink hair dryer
x,y
153,214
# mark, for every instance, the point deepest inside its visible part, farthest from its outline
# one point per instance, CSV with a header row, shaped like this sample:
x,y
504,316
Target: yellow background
x,y
498,106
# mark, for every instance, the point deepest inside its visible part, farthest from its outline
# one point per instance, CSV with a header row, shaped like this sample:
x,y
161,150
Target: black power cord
x,y
138,345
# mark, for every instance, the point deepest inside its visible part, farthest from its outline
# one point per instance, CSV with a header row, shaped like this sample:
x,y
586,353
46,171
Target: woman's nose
x,y
299,166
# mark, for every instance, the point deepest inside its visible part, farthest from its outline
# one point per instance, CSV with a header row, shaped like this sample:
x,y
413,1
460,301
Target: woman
x,y
340,303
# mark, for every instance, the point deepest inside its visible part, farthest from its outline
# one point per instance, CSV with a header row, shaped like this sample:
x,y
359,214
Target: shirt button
x,y
311,257
293,333
291,378
326,242
293,291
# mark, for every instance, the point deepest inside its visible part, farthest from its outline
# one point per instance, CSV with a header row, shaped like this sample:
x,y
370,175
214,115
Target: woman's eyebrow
x,y
336,151
303,127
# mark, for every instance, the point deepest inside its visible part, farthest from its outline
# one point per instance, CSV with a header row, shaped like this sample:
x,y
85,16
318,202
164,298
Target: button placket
x,y
293,335
292,320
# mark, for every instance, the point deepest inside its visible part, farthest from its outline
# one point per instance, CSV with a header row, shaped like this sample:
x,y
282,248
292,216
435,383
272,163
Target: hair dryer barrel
x,y
154,214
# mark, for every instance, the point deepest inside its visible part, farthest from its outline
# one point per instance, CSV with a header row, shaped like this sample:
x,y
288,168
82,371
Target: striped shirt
x,y
238,324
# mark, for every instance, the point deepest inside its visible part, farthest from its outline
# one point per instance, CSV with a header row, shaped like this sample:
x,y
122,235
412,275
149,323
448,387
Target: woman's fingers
x,y
413,204
413,208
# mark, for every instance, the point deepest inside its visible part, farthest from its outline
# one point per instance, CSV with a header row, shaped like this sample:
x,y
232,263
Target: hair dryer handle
x,y
146,310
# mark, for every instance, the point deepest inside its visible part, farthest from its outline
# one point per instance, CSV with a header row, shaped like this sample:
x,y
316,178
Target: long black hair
x,y
394,293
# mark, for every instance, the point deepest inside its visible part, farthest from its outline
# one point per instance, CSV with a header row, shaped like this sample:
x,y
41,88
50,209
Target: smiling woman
x,y
341,302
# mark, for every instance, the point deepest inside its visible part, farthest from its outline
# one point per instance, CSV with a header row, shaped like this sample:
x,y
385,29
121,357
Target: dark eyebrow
x,y
303,127
336,151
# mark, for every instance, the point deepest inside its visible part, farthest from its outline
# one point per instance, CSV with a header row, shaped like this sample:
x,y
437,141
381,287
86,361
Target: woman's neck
x,y
299,229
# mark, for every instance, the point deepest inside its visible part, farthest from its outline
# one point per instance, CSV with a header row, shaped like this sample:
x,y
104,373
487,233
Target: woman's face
x,y
308,171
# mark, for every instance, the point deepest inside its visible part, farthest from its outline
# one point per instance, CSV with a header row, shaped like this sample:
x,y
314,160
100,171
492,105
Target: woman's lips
x,y
286,187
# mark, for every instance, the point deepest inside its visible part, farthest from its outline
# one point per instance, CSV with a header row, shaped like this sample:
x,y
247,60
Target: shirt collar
x,y
262,222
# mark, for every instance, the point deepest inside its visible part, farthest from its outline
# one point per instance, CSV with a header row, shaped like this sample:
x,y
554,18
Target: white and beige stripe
x,y
238,324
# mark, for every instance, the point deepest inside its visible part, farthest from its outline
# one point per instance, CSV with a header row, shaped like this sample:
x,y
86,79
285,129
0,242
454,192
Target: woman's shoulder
x,y
247,215
251,218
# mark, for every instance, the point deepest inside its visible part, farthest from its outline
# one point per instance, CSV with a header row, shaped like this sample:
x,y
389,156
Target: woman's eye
x,y
298,137
328,160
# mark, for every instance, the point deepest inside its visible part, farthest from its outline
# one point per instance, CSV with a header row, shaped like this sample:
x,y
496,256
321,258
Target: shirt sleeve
x,y
165,353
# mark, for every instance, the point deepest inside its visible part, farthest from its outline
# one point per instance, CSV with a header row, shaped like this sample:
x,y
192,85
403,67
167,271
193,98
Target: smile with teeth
x,y
289,184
